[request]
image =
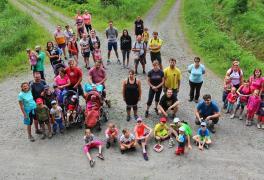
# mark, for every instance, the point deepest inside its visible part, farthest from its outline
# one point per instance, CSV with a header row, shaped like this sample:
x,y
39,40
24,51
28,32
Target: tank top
x,y
131,92
87,19
79,20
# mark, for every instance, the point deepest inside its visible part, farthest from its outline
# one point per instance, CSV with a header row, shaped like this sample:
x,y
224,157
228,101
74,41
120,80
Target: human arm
x,y
215,115
123,89
162,110
139,89
174,105
22,109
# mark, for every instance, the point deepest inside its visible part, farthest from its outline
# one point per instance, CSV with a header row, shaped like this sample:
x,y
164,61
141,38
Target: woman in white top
x,y
235,74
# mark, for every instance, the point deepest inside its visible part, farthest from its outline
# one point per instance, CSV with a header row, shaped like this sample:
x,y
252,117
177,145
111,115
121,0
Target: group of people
x,y
42,105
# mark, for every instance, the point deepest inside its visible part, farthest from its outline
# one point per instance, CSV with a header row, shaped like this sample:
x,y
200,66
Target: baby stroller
x,y
79,115
56,65
95,112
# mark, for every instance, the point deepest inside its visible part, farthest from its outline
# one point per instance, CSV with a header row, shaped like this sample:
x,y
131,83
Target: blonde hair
x,y
87,131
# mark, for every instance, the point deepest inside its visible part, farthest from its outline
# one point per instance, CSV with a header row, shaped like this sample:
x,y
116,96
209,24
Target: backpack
x,y
33,59
232,70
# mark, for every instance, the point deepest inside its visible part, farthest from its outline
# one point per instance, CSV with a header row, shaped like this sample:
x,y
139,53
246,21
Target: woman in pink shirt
x,y
79,24
252,106
62,80
256,81
87,18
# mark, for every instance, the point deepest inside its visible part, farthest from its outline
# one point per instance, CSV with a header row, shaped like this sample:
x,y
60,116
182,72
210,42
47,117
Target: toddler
x,y
181,139
71,109
252,107
227,88
111,134
57,117
231,100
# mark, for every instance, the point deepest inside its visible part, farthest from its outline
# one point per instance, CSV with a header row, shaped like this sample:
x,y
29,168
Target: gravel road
x,y
236,152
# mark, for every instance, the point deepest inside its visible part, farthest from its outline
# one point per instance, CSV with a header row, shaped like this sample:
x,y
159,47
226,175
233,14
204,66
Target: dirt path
x,y
62,157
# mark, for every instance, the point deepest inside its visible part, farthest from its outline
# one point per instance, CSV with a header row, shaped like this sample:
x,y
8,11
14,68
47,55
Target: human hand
x,y
190,147
25,116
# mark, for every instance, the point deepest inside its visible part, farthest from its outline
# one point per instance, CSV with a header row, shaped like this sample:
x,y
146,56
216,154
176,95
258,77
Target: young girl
x,y
231,99
227,89
252,107
97,54
261,113
111,134
91,142
181,139
243,92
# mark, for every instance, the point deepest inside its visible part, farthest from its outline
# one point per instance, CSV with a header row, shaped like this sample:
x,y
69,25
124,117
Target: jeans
x,y
151,95
56,123
195,87
125,54
224,98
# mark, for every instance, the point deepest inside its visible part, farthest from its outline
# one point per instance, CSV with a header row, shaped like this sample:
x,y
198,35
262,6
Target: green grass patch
x,y
164,11
216,47
17,32
123,14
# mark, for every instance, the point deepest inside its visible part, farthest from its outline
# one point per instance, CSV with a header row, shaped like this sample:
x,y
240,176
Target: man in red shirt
x,y
75,76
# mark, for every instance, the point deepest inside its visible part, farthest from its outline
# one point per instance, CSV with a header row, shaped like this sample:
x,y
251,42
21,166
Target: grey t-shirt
x,y
128,140
112,34
141,46
85,44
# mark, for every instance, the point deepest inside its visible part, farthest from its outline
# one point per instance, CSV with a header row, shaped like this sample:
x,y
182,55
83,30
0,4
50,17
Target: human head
x,y
78,12
163,120
49,45
98,64
197,61
84,35
156,65
139,120
110,23
256,92
145,29
111,126
207,99
169,92
28,50
96,45
67,26
246,82
37,76
257,73
87,132
155,34
58,28
53,103
39,101
62,72
126,133
138,18
71,63
176,120
37,48
92,33
181,130
131,73
139,38
235,65
172,62
125,32
233,90
227,79
25,86
203,125
85,11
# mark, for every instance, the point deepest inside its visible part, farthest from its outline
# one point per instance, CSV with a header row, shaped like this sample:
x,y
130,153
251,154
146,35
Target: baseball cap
x,y
39,101
203,123
163,119
176,120
53,102
37,47
139,119
181,129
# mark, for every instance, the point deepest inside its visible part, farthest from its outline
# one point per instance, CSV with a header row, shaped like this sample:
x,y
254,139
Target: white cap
x,y
176,120
203,123
181,129
74,97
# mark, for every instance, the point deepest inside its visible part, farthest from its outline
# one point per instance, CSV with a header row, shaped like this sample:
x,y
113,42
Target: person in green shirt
x,y
174,129
39,67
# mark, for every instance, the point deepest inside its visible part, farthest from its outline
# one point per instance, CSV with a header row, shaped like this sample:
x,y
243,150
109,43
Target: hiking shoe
x,y
145,156
100,156
259,126
128,118
108,145
92,162
156,110
43,136
108,62
232,116
206,146
241,117
135,116
38,131
146,114
118,61
31,138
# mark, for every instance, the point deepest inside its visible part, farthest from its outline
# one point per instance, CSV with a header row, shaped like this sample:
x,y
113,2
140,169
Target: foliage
x,y
241,6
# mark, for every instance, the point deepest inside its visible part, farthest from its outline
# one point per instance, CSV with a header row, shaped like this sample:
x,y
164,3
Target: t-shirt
x,y
256,83
155,77
74,74
42,114
27,99
111,34
182,140
56,112
85,44
139,26
128,140
37,88
125,42
87,19
202,133
196,75
88,139
141,47
235,76
187,128
172,76
140,129
166,102
161,129
209,110
97,75
59,37
40,63
155,43
61,81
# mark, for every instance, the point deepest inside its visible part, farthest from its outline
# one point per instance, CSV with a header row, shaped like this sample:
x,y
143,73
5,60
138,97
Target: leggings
x,y
151,95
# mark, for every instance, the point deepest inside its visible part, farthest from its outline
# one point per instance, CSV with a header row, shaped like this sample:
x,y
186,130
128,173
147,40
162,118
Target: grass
x,y
17,32
123,14
164,11
216,47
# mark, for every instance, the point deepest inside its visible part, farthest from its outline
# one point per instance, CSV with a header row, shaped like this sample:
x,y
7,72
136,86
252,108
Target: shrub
x,y
241,6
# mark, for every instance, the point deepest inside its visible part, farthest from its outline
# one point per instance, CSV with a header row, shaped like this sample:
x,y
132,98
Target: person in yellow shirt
x,y
145,36
172,77
155,44
161,130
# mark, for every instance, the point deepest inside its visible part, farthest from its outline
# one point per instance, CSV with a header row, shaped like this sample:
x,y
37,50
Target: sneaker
x,y
31,138
249,123
128,118
196,100
171,143
190,100
136,72
118,61
108,62
38,131
144,72
92,162
232,116
54,133
258,125
50,135
156,110
241,117
262,126
100,156
108,145
145,156
61,131
135,116
146,114
108,103
227,112
212,130
122,151
206,146
43,136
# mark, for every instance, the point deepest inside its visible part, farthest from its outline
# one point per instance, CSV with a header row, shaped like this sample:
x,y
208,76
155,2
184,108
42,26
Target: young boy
x,y
142,132
161,130
71,109
57,117
127,141
42,115
48,96
202,139
181,139
111,134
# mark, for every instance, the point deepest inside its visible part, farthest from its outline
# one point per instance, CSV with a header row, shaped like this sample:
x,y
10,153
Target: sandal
x,y
100,156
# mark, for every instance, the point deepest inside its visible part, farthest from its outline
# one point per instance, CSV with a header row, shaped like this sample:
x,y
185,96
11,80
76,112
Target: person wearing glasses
x,y
207,111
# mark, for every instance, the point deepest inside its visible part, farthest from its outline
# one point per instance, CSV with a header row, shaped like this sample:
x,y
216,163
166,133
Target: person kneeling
x,y
202,139
161,130
127,141
168,103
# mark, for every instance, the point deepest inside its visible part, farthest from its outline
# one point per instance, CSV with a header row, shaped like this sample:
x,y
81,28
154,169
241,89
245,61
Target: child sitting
x,y
91,142
161,130
227,88
202,139
71,109
57,117
261,113
42,116
181,139
111,134
252,107
126,141
231,100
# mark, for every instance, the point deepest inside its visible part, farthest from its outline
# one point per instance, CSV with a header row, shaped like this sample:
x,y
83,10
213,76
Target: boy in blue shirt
x,y
202,139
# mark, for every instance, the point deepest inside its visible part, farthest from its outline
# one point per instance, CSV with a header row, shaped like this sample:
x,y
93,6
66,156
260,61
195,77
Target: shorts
x,y
62,46
155,56
202,138
42,122
93,144
140,60
261,119
128,108
143,140
86,54
179,150
112,45
31,116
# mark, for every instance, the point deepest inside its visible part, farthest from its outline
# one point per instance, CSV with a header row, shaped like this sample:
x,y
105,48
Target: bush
x,y
110,2
241,6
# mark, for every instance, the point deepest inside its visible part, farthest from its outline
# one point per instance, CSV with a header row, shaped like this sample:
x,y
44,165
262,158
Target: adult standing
x,y
87,18
155,44
79,24
60,39
126,45
39,67
208,111
27,106
111,35
52,53
196,71
68,33
75,75
73,48
139,49
235,74
131,90
155,82
85,49
92,40
172,77
256,81
139,26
